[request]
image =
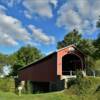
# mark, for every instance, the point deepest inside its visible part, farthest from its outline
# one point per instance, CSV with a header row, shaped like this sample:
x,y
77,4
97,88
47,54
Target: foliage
x,y
97,41
24,56
3,62
85,45
83,85
80,84
7,85
62,95
97,46
15,68
70,38
98,23
28,54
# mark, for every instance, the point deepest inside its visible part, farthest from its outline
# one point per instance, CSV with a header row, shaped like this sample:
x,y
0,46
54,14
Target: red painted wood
x,y
49,68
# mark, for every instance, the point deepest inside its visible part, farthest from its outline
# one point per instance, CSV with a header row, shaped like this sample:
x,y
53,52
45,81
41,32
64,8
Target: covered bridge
x,y
51,72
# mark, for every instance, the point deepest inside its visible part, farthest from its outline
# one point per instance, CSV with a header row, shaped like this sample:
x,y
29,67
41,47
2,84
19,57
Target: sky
x,y
42,23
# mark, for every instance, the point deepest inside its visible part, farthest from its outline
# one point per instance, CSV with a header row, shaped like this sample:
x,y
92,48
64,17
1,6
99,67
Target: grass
x,y
46,96
62,95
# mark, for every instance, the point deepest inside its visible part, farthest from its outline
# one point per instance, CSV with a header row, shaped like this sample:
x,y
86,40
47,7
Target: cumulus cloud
x,y
80,14
11,31
39,7
7,40
39,35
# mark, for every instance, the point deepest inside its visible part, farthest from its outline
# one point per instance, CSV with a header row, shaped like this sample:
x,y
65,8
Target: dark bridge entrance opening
x,y
40,87
71,63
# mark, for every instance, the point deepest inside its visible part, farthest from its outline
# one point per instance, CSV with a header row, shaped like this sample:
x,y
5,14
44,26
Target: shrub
x,y
7,85
80,85
71,82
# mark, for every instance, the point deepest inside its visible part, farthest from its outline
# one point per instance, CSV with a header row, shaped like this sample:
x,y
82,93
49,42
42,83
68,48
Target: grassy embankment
x,y
69,94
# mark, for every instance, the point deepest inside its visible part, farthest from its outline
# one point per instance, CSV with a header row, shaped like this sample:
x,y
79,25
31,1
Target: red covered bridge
x,y
51,72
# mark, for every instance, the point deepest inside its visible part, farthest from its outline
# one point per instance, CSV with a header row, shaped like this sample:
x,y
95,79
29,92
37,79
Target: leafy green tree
x,y
97,46
28,54
85,45
24,56
97,42
71,38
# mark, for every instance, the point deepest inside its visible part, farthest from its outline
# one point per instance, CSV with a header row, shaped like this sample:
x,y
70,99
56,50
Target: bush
x,y
80,85
71,82
7,85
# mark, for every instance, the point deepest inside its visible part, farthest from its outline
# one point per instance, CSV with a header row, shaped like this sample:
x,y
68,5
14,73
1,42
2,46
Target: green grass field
x,y
62,95
47,96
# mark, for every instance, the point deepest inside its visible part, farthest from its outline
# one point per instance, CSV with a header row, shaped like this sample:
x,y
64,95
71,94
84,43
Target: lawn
x,y
46,96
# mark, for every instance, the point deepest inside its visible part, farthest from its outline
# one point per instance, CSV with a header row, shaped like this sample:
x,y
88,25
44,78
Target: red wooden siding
x,y
47,69
44,70
63,52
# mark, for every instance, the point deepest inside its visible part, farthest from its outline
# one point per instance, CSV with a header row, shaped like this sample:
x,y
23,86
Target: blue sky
x,y
42,23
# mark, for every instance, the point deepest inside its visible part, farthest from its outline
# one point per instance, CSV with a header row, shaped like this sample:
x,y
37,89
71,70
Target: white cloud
x,y
80,14
40,7
39,35
54,2
12,31
7,40
2,9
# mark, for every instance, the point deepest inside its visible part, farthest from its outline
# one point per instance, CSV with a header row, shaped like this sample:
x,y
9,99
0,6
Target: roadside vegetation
x,y
89,90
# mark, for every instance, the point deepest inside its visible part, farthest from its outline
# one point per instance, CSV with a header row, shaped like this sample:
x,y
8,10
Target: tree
x,y
85,45
24,56
98,23
70,38
3,62
97,42
97,45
